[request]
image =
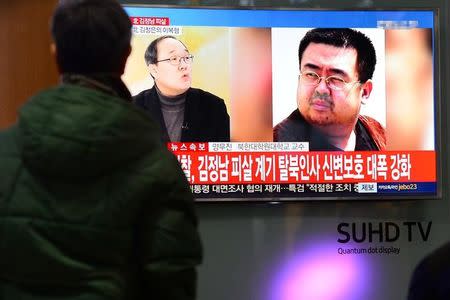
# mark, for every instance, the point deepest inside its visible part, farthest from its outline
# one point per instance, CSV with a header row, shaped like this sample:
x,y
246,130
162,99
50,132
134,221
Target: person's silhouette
x,y
431,277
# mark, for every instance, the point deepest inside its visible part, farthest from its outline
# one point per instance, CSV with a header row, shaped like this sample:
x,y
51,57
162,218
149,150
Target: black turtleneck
x,y
172,109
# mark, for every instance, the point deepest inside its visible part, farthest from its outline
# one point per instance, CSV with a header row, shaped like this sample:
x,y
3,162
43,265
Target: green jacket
x,y
92,205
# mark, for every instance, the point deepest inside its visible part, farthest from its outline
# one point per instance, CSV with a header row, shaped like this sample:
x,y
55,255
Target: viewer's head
x,y
336,66
170,65
91,36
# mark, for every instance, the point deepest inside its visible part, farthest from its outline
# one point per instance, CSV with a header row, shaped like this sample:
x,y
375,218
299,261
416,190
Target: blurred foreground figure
x,y
409,89
431,276
92,205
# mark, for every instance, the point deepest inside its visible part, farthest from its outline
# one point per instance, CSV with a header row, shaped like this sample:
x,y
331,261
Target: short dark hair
x,y
151,54
345,38
91,36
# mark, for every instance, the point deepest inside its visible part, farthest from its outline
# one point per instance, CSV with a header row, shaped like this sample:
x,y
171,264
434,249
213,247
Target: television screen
x,y
283,105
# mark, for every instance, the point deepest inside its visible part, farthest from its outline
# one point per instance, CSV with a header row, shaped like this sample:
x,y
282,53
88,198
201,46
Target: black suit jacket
x,y
205,116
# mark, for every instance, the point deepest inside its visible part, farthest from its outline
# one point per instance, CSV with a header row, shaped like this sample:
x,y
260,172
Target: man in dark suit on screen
x,y
185,114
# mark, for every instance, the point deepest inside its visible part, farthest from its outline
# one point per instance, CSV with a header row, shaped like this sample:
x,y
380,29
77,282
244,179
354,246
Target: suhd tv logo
x,y
361,232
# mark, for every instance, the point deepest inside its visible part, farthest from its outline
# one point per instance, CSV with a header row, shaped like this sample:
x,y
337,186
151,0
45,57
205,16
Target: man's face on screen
x,y
334,102
172,77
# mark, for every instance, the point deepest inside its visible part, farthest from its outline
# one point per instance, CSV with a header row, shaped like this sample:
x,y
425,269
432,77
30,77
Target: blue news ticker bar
x,y
421,187
281,18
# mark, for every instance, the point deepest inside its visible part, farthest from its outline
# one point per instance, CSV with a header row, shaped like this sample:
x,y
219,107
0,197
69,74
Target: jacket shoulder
x,y
376,131
205,97
144,96
10,161
291,129
141,96
8,145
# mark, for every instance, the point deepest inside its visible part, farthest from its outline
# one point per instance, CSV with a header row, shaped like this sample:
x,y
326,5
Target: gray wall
x,y
284,251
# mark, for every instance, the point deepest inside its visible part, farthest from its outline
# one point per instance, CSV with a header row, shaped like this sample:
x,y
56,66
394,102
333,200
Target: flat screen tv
x,y
250,59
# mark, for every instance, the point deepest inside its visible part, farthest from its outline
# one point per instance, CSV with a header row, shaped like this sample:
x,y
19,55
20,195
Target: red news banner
x,y
155,21
266,162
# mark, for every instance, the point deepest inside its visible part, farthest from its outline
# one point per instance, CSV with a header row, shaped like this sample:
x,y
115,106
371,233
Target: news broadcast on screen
x,y
322,104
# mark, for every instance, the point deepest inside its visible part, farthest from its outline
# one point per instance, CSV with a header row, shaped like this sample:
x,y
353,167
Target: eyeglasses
x,y
333,82
176,60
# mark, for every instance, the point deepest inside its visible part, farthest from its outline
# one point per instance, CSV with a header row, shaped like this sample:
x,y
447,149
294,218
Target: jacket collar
x,y
109,83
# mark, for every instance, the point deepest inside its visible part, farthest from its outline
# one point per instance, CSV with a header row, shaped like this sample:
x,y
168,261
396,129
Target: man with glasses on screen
x,y
336,66
185,114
